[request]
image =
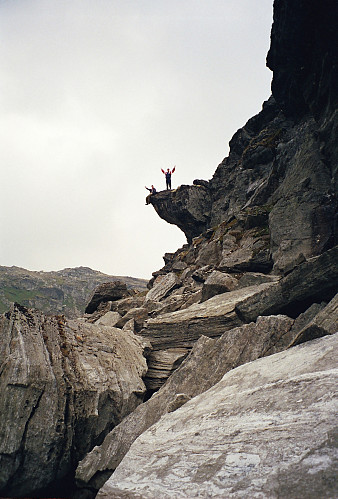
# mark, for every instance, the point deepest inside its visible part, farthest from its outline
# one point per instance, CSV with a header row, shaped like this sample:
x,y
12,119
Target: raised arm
x,y
173,169
162,171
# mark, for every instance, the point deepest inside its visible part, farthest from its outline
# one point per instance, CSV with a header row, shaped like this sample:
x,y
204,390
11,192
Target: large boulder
x,y
108,291
208,361
217,283
323,323
64,385
311,281
267,429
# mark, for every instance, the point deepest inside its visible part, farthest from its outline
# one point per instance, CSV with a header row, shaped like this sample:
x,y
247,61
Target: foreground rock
x,y
64,385
267,429
208,361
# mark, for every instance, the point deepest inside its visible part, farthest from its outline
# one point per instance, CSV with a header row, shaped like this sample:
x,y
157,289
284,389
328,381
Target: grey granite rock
x,y
267,429
208,361
210,318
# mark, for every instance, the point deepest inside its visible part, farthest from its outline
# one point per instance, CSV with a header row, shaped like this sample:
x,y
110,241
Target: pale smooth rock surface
x,y
205,366
109,319
266,430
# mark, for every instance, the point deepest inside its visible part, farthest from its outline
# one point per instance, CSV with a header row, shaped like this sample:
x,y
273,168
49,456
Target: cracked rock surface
x,y
64,384
267,429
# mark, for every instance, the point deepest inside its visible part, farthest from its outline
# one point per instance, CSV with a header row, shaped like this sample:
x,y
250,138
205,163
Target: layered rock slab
x,y
311,281
267,429
211,318
208,361
64,385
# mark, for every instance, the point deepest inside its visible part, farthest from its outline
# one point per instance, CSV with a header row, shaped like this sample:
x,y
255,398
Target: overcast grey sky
x,y
96,96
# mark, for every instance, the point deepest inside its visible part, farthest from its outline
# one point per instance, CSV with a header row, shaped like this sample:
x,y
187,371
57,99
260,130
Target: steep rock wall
x,y
284,160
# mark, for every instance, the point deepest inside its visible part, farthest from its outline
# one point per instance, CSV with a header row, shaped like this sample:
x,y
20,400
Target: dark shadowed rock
x,y
216,283
108,291
325,322
314,280
303,56
188,207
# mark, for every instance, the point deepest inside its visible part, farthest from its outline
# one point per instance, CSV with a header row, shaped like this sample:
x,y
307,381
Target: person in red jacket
x,y
168,174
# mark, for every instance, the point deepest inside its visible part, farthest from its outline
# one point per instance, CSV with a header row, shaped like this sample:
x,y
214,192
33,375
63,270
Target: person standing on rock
x,y
152,190
168,174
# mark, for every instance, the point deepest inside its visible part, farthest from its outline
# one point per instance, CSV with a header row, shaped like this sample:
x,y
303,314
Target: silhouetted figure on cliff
x,y
152,190
168,174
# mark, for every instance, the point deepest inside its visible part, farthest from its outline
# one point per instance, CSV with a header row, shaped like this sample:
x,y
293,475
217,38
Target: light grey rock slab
x,y
109,319
207,362
162,287
210,318
266,430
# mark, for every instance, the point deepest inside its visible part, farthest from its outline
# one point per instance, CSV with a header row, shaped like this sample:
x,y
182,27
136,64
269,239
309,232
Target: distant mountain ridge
x,y
64,291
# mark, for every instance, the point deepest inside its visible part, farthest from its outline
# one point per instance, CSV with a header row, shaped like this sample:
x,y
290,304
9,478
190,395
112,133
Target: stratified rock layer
x,y
267,429
64,385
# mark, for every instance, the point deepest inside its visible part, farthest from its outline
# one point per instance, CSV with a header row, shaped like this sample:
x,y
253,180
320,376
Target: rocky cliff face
x,y
238,327
65,292
282,165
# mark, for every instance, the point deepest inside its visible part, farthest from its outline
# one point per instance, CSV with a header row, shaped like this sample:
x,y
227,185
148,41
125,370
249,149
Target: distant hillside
x,y
66,291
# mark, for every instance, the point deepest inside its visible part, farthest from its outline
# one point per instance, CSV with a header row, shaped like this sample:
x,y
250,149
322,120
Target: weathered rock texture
x,y
262,240
208,361
281,173
267,429
324,323
188,206
64,385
